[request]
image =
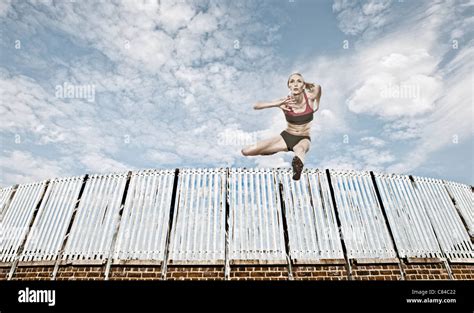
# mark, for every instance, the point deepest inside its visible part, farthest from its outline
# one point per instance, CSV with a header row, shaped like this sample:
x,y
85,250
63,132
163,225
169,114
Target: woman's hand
x,y
314,91
309,86
283,103
287,103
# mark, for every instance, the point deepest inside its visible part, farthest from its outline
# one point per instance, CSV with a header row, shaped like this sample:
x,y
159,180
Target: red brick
x,y
303,274
65,274
319,273
273,274
334,273
257,274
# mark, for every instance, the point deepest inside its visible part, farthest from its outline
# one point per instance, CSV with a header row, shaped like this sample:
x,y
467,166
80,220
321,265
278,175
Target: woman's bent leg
x,y
266,147
301,148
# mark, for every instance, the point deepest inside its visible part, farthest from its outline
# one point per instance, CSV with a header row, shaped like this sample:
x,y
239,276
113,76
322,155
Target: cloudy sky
x,y
105,86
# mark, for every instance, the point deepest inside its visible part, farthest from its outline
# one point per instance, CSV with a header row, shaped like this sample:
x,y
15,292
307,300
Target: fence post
x,y
164,266
344,249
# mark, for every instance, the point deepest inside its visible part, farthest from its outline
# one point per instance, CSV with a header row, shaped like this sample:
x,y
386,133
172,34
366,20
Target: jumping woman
x,y
298,108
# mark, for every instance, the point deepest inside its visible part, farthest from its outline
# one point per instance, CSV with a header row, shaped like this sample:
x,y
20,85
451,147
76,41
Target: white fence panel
x,y
464,198
54,214
198,235
98,212
17,219
407,217
363,225
255,221
450,231
312,227
144,223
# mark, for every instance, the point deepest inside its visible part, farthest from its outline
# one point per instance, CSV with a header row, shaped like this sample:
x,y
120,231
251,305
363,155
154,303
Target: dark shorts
x,y
292,140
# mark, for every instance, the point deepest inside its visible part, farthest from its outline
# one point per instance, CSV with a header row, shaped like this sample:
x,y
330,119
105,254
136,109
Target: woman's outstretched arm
x,y
283,103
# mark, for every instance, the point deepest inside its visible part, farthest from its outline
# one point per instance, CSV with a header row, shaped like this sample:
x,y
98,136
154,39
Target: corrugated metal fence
x,y
363,225
236,216
312,227
198,230
142,232
408,218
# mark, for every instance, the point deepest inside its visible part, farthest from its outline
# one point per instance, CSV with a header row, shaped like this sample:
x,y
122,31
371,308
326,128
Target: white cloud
x,y
22,167
175,15
370,154
375,7
355,19
452,122
4,6
163,158
411,53
395,84
26,107
98,163
153,87
403,129
373,141
271,161
203,23
341,162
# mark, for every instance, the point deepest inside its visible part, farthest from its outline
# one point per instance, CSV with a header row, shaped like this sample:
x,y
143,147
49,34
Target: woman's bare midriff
x,y
299,130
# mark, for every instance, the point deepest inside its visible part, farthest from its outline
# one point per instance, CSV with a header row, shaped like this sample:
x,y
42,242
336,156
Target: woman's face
x,y
296,84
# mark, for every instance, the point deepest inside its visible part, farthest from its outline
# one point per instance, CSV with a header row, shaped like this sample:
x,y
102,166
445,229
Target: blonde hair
x,y
308,86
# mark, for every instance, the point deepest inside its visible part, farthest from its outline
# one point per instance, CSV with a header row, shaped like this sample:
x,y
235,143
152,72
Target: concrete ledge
x,y
258,262
462,260
424,260
36,263
376,261
197,262
137,262
319,262
83,262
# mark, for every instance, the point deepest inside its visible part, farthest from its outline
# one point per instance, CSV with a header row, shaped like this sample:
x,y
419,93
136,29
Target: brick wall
x,y
463,271
376,272
80,272
425,271
33,273
4,270
193,272
413,271
319,272
135,272
260,272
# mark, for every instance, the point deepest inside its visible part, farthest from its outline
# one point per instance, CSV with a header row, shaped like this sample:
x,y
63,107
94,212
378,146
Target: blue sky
x,y
166,84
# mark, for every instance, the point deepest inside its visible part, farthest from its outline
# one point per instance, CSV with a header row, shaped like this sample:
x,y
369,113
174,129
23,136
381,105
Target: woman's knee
x,y
301,147
248,151
298,149
245,152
